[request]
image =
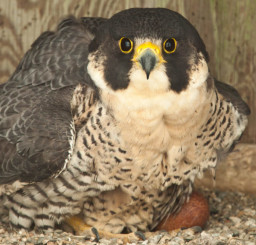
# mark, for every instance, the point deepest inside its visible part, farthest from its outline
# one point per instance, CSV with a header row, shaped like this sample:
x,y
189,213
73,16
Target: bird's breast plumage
x,y
136,146
141,155
146,144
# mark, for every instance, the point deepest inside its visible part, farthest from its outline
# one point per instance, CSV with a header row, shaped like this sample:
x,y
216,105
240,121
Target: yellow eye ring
x,y
170,45
125,45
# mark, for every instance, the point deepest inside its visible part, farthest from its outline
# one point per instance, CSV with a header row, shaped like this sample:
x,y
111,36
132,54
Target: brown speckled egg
x,y
193,213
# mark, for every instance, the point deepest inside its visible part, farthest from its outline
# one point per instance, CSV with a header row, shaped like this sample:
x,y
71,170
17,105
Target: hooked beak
x,y
148,55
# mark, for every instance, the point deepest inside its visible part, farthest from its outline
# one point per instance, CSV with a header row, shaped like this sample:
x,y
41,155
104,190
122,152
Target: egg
x,y
195,212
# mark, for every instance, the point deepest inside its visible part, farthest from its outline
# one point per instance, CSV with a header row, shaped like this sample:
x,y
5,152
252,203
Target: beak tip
x,y
148,61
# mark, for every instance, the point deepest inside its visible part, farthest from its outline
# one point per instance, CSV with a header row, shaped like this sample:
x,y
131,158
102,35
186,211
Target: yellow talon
x,y
78,225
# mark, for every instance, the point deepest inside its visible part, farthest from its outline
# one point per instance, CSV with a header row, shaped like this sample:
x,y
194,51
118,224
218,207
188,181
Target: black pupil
x,y
169,45
126,44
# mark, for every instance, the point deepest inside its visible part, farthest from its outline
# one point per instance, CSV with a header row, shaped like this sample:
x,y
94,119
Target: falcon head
x,y
149,50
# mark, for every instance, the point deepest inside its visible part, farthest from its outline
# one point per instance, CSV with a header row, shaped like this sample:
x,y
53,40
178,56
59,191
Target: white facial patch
x,y
199,72
96,72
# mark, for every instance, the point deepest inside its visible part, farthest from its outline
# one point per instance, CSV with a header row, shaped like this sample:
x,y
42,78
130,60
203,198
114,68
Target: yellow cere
x,y
148,45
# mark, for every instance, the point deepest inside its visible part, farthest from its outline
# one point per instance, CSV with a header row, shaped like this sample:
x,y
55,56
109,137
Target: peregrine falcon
x,y
112,119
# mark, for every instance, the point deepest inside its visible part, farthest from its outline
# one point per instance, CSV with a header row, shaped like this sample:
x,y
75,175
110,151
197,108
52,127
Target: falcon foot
x,y
80,228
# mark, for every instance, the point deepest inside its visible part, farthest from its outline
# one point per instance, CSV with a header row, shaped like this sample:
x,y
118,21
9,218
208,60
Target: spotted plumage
x,y
112,119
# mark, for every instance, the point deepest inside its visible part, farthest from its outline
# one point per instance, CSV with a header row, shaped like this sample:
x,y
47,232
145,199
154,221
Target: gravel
x,y
232,221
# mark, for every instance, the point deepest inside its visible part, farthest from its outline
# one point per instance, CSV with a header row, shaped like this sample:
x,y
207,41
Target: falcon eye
x,y
126,45
169,45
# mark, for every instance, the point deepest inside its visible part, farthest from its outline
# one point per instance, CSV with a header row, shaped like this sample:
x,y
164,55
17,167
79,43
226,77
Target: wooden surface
x,y
227,27
236,173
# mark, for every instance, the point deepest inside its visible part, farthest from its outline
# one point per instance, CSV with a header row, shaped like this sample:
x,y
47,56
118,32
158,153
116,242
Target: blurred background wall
x,y
226,26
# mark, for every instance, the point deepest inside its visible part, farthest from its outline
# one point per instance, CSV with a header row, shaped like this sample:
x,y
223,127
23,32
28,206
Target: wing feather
x,y
232,96
36,124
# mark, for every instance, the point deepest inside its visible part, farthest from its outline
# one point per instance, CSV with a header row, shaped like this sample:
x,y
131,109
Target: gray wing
x,y
36,126
232,96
